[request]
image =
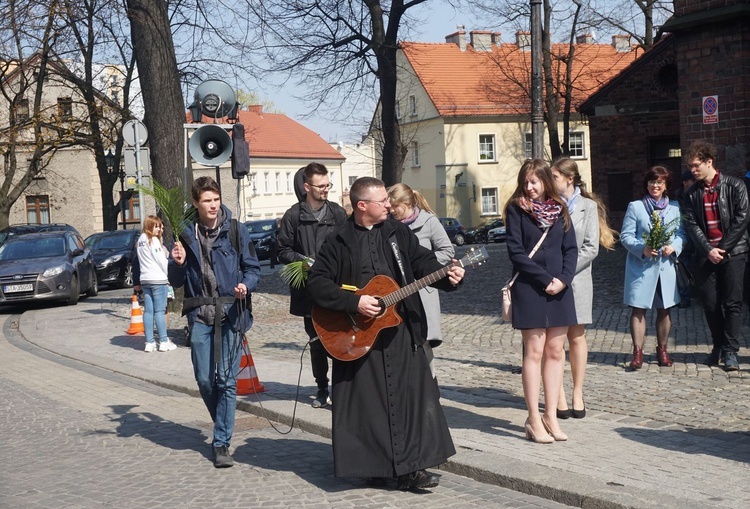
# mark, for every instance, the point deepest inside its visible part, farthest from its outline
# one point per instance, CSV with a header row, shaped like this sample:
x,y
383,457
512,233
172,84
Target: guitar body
x,y
348,337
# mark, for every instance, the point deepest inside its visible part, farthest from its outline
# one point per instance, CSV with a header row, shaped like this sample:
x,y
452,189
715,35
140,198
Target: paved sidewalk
x,y
659,437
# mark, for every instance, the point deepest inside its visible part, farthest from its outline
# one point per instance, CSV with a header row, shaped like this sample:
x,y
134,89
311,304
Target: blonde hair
x,y
149,225
403,194
569,169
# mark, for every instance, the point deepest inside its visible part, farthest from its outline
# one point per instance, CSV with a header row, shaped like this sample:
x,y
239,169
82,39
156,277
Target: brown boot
x,y
637,361
662,356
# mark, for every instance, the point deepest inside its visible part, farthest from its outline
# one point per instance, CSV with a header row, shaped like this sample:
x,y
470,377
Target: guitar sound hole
x,y
382,306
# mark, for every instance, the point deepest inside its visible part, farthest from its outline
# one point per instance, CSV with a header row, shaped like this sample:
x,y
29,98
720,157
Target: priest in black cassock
x,y
387,418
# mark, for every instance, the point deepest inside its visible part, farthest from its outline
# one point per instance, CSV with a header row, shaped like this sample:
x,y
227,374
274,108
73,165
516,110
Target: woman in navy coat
x,y
650,277
543,305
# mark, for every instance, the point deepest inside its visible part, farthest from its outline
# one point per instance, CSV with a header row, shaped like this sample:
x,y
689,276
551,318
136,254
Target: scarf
x,y
571,203
545,213
651,205
412,217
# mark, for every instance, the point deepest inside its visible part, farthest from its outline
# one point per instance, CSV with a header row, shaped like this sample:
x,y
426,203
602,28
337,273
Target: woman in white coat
x,y
589,218
650,277
410,207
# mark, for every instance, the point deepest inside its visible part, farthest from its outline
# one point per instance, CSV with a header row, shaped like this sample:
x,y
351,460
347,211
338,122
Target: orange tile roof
x,y
480,83
274,135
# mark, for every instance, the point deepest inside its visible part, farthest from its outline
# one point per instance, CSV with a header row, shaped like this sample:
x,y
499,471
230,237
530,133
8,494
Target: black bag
x,y
684,277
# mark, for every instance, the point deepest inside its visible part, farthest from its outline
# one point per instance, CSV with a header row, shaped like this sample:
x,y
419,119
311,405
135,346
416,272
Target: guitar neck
x,y
411,288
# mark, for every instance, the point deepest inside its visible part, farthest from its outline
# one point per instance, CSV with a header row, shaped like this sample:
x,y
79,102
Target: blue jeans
x,y
217,384
155,302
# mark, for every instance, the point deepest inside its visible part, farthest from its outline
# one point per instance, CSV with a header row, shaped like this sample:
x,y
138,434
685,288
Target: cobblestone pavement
x,y
76,436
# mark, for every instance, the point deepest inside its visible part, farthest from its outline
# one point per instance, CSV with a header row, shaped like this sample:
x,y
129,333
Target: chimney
x,y
497,38
481,40
621,43
255,108
523,39
585,39
458,38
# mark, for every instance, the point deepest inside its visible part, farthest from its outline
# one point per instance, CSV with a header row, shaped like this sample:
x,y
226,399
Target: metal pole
x,y
122,196
138,170
537,110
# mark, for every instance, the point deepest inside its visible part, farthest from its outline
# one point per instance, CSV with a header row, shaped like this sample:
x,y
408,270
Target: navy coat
x,y
556,258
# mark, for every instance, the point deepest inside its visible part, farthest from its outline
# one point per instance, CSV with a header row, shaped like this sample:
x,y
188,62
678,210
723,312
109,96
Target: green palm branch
x,y
174,206
295,274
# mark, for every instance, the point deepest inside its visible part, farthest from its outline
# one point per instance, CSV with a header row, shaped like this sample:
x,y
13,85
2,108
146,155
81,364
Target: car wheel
x,y
127,281
481,238
93,291
74,291
459,239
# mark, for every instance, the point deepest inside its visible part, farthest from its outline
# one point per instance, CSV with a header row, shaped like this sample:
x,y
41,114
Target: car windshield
x,y
110,241
33,248
261,226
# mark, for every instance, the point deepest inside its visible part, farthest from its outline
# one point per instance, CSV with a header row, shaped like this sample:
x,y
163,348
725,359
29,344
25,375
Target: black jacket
x,y
338,264
301,235
734,214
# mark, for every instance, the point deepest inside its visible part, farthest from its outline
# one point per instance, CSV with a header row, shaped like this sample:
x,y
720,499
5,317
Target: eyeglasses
x,y
322,187
382,202
694,165
656,183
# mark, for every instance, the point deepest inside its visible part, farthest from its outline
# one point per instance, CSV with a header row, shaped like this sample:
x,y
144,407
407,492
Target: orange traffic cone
x,y
247,378
136,319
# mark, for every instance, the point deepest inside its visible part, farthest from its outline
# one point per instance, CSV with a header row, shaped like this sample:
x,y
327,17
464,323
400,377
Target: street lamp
x,y
110,158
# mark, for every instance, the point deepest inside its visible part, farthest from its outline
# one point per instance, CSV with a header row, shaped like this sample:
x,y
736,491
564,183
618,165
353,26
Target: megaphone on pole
x,y
210,145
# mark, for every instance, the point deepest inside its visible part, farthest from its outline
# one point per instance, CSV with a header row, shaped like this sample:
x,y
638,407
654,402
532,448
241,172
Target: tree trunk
x,y
160,85
394,151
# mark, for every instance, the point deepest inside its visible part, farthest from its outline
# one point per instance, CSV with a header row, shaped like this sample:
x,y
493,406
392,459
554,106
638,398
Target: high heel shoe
x,y
530,436
558,437
578,414
563,414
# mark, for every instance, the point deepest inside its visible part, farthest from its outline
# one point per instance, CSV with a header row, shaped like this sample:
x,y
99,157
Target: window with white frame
x,y
489,201
527,145
352,179
413,105
254,183
576,145
487,147
266,182
278,182
415,154
288,182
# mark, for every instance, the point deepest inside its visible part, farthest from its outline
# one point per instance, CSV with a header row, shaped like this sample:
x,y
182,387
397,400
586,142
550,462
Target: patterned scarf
x,y
545,213
571,203
651,204
412,217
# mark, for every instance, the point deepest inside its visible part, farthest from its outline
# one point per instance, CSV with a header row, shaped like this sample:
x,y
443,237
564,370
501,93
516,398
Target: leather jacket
x,y
734,215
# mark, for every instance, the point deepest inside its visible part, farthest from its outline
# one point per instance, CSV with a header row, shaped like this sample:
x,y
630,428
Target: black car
x,y
454,229
22,229
114,253
46,266
263,234
478,234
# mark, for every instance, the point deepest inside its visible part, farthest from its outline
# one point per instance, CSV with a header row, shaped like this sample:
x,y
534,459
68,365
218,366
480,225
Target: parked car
x,y
478,234
496,234
263,234
46,266
21,229
114,253
454,229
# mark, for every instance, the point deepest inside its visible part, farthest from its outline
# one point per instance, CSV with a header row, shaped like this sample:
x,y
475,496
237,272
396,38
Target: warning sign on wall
x,y
711,109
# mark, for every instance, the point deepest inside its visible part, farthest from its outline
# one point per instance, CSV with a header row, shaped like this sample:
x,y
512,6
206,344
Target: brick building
x,y
655,108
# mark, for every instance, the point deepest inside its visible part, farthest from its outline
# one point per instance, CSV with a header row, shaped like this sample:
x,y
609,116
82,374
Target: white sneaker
x,y
167,346
150,347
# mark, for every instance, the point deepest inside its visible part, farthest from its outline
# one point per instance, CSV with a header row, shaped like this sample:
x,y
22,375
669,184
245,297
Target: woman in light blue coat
x,y
650,277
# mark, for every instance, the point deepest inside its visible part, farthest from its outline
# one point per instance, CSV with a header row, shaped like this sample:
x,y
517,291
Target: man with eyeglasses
x,y
303,229
387,419
716,218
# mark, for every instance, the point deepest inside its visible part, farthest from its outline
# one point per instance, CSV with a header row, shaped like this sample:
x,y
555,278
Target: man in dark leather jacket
x,y
303,229
716,218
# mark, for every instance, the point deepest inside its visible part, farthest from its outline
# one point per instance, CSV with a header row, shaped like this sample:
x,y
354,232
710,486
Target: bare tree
x,y
636,18
341,51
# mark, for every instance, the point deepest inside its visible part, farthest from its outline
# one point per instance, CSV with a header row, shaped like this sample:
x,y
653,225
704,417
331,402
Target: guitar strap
x,y
397,255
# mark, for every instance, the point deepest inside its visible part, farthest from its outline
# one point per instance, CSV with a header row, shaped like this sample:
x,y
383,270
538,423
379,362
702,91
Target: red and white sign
x,y
711,109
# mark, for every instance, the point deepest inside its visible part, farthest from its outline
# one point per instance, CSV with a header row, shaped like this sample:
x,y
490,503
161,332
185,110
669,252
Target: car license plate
x,y
18,288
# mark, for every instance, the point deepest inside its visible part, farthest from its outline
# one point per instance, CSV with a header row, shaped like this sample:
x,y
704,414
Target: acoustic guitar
x,y
348,337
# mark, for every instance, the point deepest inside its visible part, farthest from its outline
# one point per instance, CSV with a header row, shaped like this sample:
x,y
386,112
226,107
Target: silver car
x,y
46,266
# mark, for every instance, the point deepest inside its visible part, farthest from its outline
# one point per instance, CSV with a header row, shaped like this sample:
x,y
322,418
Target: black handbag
x,y
684,277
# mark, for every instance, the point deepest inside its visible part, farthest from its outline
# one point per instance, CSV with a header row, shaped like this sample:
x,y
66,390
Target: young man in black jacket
x,y
303,229
716,218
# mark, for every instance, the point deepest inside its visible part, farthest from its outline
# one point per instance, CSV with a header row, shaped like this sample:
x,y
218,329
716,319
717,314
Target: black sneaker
x,y
222,458
321,399
730,362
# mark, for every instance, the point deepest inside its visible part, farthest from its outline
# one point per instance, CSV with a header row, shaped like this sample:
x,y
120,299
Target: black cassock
x,y
387,418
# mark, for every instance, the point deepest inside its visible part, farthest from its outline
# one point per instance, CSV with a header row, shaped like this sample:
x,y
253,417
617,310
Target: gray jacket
x,y
585,220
